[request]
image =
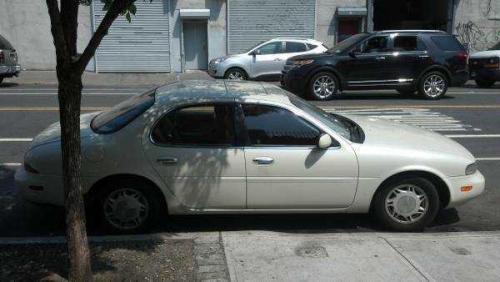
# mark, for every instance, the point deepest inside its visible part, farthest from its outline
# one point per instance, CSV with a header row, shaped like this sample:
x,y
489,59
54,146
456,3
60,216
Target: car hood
x,y
486,54
53,132
401,137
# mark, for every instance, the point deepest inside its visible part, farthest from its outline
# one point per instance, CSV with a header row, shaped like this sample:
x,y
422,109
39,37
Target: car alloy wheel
x,y
324,87
434,86
235,75
126,209
406,203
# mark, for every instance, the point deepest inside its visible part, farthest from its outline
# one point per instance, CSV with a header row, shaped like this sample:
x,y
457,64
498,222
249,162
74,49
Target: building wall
x,y
326,20
216,30
477,22
26,25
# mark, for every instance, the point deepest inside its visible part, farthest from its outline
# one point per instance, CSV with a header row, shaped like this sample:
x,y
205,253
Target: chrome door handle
x,y
167,161
277,60
380,58
263,160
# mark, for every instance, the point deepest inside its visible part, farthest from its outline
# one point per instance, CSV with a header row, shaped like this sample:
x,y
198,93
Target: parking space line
x,y
10,164
16,139
473,136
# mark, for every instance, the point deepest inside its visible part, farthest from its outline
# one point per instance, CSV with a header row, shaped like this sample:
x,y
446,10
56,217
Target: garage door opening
x,y
411,14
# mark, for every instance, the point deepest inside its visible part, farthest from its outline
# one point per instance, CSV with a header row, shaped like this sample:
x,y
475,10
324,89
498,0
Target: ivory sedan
x,y
208,147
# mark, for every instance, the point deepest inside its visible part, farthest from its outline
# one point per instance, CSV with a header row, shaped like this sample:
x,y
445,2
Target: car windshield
x,y
346,44
122,114
496,46
342,125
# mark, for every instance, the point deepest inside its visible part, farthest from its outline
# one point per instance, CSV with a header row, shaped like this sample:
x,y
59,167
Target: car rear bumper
x,y
457,196
9,71
459,78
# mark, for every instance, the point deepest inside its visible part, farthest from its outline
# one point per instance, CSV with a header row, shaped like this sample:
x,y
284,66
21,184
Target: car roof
x,y
199,91
298,39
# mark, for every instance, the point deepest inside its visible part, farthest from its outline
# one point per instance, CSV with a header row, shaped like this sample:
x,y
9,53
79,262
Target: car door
x,y
286,170
193,149
268,59
368,63
409,58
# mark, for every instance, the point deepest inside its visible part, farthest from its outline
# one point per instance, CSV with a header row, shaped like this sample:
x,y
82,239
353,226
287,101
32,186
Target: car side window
x,y
408,43
294,47
271,48
274,126
375,44
206,125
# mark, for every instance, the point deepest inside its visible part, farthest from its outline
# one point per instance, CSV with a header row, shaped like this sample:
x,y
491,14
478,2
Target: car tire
x,y
484,83
128,206
406,92
406,204
323,86
433,85
235,74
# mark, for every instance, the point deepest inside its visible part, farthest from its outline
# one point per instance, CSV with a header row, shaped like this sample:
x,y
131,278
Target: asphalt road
x,y
469,115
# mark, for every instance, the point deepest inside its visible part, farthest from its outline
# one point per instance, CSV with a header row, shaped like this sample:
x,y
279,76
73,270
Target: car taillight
x,y
463,56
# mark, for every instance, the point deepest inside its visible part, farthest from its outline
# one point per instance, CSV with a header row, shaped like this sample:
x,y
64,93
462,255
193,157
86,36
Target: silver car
x,y
212,147
8,60
266,60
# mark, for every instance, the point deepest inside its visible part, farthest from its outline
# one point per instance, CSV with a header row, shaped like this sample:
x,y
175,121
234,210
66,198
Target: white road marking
x,y
473,136
16,139
424,118
10,164
489,159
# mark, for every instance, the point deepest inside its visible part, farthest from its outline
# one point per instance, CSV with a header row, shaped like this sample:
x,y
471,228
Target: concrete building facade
x,y
179,35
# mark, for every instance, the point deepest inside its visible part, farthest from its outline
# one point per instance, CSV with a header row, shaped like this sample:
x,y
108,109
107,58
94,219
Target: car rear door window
x,y
375,44
408,43
294,47
271,48
205,125
274,126
447,43
5,45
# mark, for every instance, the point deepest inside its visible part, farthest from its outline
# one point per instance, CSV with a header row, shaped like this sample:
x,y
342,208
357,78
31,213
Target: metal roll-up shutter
x,y
139,46
252,21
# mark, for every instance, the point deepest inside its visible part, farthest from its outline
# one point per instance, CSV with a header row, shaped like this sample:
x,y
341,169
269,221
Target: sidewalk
x,y
265,256
106,79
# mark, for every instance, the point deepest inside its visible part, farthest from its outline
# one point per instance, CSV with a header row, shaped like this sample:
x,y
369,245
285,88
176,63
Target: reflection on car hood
x,y
53,132
399,136
486,54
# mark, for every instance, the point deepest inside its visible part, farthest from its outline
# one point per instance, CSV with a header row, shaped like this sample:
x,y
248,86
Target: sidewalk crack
x,y
406,259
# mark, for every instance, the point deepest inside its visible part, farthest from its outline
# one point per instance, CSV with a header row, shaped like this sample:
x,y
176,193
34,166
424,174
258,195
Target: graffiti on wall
x,y
475,37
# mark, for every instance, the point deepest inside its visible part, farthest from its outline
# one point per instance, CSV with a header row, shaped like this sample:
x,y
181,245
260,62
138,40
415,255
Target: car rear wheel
x,y
235,74
129,206
323,86
433,85
406,204
484,83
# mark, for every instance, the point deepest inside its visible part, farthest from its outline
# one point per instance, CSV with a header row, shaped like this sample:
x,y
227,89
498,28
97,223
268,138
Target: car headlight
x,y
299,63
219,60
471,169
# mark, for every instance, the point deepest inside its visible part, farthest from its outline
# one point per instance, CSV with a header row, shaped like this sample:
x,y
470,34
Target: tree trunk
x,y
69,95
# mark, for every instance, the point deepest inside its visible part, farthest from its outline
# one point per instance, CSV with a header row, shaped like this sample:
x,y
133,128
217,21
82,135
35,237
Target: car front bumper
x,y
294,81
39,188
8,71
456,184
485,74
216,70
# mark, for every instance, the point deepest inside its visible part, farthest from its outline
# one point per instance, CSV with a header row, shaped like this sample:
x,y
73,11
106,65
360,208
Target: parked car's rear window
x,y
122,114
4,44
447,43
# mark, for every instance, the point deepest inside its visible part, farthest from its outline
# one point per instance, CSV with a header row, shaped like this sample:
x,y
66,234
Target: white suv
x,y
266,60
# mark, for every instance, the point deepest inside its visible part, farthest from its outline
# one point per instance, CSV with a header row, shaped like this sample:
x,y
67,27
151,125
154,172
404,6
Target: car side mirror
x,y
325,141
255,53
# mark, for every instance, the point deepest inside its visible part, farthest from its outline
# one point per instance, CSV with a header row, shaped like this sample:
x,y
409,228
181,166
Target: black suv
x,y
407,60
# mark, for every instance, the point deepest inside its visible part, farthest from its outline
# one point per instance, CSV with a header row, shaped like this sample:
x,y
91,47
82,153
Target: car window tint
x,y
408,43
269,125
312,46
4,44
447,43
210,124
271,48
292,47
375,44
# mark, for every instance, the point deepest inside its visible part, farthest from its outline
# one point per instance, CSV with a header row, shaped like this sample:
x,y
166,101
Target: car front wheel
x,y
235,74
129,206
433,85
406,204
323,86
484,83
